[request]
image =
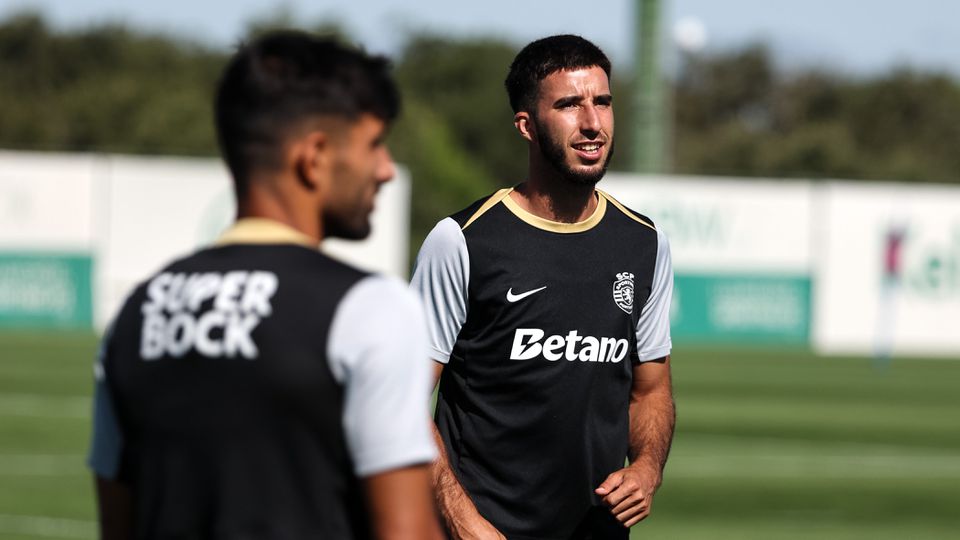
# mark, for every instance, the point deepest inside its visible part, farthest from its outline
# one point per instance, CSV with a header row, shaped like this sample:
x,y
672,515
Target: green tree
x,y
456,134
110,89
736,114
104,89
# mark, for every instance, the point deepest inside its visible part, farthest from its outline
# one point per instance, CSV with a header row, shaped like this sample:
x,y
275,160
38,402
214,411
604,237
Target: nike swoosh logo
x,y
517,297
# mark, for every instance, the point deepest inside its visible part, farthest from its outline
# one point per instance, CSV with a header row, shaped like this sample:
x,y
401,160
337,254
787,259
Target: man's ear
x,y
524,124
312,159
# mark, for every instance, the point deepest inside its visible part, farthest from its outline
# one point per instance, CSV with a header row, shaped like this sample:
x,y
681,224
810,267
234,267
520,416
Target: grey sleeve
x,y
106,441
441,277
653,328
376,349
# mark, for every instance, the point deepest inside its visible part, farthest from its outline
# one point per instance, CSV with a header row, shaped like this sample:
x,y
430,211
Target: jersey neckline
x,y
263,231
556,226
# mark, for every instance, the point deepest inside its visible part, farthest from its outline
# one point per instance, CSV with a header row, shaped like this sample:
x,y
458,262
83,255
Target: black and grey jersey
x,y
243,391
540,325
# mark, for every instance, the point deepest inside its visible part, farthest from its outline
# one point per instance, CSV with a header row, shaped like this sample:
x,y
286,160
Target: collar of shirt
x,y
264,231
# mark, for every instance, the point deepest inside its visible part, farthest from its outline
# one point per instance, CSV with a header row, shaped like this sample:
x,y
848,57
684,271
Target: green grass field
x,y
770,444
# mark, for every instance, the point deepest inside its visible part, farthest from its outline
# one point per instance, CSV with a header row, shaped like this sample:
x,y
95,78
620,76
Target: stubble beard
x,y
347,223
345,231
554,152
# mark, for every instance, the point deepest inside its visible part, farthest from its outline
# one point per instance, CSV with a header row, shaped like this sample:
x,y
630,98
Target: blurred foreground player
x,y
549,321
259,389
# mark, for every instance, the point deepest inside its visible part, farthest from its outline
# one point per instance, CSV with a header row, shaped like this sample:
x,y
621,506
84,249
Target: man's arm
x,y
441,278
401,504
460,514
629,491
386,396
114,509
114,498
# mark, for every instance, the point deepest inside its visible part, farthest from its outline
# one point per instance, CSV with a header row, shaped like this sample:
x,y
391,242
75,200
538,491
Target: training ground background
x,y
770,443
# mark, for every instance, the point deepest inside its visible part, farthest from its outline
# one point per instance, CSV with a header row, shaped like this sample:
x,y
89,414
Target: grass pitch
x,y
783,444
770,444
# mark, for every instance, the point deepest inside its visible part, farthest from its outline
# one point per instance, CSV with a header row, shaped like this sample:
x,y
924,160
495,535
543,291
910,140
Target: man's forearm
x,y
629,491
401,504
652,419
454,503
460,515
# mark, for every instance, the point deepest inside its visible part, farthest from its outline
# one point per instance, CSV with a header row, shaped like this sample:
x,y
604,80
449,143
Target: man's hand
x,y
629,492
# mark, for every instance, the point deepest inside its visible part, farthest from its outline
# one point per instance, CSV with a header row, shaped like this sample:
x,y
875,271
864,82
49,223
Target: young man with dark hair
x,y
548,317
257,388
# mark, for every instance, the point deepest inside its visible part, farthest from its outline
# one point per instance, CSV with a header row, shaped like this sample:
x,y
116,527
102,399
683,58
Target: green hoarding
x,y
741,308
44,290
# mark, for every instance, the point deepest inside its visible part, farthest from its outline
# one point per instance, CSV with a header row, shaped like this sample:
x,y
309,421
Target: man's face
x,y
573,123
361,163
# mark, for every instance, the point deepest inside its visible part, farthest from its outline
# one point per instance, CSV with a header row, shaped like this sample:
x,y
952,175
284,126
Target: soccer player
x,y
883,341
259,389
548,315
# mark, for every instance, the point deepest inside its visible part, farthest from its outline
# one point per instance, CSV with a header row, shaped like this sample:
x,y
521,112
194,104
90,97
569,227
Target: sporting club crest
x,y
623,291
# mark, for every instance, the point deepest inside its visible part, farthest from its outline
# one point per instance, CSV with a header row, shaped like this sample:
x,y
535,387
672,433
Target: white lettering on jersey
x,y
527,346
173,322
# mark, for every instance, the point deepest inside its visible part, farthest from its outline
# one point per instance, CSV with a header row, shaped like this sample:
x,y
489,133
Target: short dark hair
x,y
545,56
286,77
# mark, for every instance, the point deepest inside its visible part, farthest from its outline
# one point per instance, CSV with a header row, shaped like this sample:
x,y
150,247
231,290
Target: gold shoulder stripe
x,y
623,209
491,202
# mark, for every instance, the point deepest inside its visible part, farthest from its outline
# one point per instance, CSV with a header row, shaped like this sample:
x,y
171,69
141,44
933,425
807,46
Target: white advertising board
x,y
47,223
46,201
720,225
866,303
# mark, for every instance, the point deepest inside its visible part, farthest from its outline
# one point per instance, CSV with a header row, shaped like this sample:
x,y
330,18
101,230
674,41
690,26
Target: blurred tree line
x,y
111,89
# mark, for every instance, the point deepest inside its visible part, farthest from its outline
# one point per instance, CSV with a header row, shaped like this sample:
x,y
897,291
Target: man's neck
x,y
548,195
262,200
